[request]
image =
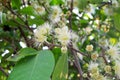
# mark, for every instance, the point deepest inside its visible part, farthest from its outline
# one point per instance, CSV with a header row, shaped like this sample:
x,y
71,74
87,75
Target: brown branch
x,y
70,46
14,13
3,71
77,64
51,45
78,51
105,3
103,56
22,25
23,2
24,36
26,21
70,17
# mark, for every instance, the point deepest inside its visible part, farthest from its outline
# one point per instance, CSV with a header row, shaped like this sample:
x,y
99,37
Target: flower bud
x,y
89,48
64,49
107,69
94,56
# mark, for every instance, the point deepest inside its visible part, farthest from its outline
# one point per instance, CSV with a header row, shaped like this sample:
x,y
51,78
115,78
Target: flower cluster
x,y
38,8
57,29
55,15
42,32
63,35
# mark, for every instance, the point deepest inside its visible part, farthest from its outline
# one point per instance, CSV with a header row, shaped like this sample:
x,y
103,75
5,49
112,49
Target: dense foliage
x,y
59,39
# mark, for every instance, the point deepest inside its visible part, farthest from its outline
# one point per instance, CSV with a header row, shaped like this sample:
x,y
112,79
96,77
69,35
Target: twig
x,y
105,3
43,4
23,2
79,52
3,71
70,46
77,64
25,22
51,45
103,56
24,36
70,17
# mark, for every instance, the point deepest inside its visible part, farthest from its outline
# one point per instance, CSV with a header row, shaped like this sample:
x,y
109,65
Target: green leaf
x,y
61,68
29,10
56,2
37,21
37,67
22,54
116,19
57,52
117,10
16,3
96,1
82,4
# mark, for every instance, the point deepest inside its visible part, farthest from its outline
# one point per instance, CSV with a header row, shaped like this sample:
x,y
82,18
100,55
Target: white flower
x,y
64,38
103,43
45,28
63,35
88,30
114,52
117,68
40,9
107,69
41,32
57,30
61,30
93,67
108,11
94,56
89,48
55,15
91,9
40,38
115,3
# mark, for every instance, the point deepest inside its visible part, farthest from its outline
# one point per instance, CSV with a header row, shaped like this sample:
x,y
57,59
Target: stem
x,y
77,64
105,3
3,71
14,13
103,56
79,52
70,17
26,21
24,36
73,52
